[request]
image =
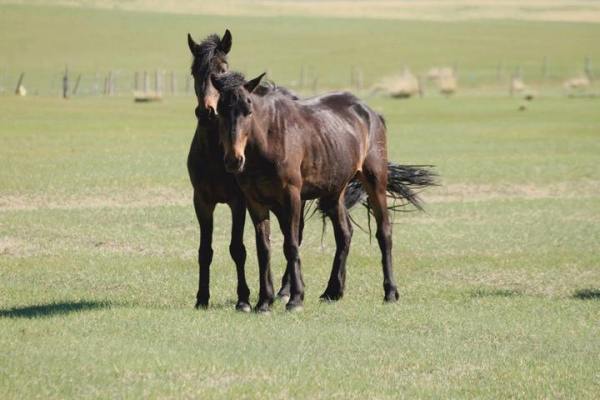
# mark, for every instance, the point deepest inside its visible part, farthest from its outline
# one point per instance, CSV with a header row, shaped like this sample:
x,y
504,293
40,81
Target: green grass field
x,y
499,278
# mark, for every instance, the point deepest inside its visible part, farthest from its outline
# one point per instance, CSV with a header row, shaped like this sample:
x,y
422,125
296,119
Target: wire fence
x,y
309,79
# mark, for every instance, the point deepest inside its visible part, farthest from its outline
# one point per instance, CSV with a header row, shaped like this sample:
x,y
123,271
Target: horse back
x,y
330,136
348,122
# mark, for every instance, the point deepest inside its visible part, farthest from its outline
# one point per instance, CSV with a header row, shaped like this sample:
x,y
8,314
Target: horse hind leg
x,y
342,229
262,230
374,180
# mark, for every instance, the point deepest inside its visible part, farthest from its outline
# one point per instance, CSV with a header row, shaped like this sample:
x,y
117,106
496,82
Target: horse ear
x,y
251,85
193,45
225,44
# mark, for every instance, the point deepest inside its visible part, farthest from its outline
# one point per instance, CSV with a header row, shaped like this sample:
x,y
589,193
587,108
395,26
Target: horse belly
x,y
327,177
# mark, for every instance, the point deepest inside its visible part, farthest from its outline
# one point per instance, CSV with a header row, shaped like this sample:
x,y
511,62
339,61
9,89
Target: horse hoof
x,y
262,309
243,307
331,297
391,297
284,298
201,305
294,307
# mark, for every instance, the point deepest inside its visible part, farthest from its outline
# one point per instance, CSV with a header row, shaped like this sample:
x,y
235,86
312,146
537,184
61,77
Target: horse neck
x,y
207,135
264,115
264,121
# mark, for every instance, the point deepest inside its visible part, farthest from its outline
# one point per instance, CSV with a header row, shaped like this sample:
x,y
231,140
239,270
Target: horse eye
x,y
248,101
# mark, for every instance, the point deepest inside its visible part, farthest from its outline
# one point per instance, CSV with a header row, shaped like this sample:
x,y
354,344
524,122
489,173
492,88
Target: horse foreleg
x,y
262,228
290,225
204,213
284,292
238,252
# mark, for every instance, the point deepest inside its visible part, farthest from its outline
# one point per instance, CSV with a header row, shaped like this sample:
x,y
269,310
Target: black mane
x,y
268,86
205,52
231,81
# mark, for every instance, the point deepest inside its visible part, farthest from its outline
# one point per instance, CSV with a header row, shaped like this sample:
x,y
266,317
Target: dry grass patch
x,y
135,198
460,192
15,247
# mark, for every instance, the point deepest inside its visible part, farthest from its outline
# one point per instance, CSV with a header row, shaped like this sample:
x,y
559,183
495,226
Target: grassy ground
x,y
499,279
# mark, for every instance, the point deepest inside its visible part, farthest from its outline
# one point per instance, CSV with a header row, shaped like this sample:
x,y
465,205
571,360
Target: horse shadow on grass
x,y
587,294
53,309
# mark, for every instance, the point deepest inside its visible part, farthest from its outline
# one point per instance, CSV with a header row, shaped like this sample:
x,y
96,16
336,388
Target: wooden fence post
x,y
111,84
173,83
76,87
157,83
19,82
587,68
65,83
499,71
146,81
96,87
545,67
188,84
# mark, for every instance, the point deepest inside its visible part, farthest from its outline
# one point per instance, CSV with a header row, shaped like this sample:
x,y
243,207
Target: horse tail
x,y
405,183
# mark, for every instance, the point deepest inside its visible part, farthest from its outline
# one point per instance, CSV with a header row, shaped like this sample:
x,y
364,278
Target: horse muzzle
x,y
234,164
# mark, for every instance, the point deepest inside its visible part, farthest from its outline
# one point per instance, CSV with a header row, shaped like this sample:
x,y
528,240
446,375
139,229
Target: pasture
x,y
499,279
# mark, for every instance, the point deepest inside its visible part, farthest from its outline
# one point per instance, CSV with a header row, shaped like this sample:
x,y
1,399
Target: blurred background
x,y
401,48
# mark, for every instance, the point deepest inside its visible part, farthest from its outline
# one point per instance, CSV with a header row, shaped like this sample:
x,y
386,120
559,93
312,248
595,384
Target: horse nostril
x,y
234,164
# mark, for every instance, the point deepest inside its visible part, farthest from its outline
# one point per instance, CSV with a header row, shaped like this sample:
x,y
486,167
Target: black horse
x,y
212,184
285,151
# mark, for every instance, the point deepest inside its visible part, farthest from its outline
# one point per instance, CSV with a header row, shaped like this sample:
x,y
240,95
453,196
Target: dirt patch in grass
x,y
155,197
10,246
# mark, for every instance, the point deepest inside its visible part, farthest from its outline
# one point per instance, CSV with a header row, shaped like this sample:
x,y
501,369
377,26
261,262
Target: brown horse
x,y
284,151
